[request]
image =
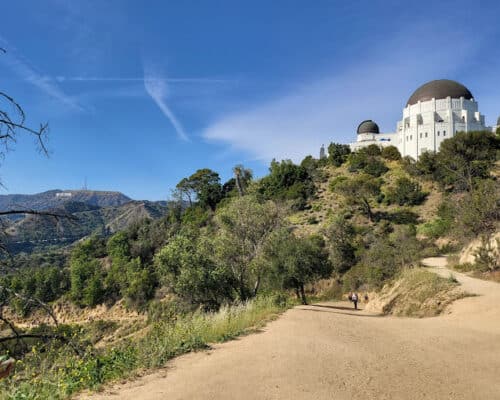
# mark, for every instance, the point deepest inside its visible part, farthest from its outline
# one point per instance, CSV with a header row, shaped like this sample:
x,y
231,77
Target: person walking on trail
x,y
354,299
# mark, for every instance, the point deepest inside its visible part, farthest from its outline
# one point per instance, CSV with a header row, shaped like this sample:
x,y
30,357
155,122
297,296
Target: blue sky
x,y
141,94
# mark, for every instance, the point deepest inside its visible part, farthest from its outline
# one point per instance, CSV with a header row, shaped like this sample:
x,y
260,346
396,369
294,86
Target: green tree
x,y
360,190
205,185
296,261
86,275
242,178
338,153
467,157
244,226
405,192
186,265
391,153
340,238
287,181
478,212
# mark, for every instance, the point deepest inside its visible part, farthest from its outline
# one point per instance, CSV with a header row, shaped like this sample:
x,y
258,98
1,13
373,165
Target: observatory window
x,y
425,134
420,135
444,133
438,133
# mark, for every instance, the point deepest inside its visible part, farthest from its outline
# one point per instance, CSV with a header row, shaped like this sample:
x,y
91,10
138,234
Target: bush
x,y
405,192
391,153
338,153
375,167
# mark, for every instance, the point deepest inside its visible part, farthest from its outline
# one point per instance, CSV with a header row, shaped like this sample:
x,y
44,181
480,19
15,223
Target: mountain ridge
x,y
54,198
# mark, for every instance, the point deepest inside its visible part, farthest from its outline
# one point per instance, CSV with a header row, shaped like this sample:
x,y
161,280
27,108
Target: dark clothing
x,y
355,304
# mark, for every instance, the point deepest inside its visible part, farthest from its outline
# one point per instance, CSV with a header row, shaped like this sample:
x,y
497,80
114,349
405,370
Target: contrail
x,y
157,89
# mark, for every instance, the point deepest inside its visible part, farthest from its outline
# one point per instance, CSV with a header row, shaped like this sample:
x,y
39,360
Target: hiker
x,y
366,298
354,299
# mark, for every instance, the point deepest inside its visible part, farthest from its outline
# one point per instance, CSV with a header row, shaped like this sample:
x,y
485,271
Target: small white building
x,y
434,112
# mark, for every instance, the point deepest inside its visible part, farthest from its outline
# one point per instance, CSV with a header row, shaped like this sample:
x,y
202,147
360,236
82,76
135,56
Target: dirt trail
x,y
329,351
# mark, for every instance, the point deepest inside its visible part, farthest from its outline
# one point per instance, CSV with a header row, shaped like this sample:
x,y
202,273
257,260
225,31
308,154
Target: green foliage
x,y
391,153
340,236
367,160
360,190
186,266
384,258
86,273
204,185
338,153
405,192
467,157
478,211
335,181
287,181
461,161
195,216
57,373
375,167
487,255
442,224
244,226
44,283
297,261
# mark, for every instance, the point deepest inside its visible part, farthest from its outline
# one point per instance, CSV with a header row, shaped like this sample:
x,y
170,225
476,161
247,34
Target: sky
x,y
139,94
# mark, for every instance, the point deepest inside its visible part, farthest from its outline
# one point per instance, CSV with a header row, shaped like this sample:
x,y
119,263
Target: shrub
x,y
338,153
391,153
405,192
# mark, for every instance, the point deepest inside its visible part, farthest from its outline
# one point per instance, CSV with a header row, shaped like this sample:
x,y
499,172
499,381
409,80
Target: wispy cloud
x,y
156,86
139,79
294,124
20,66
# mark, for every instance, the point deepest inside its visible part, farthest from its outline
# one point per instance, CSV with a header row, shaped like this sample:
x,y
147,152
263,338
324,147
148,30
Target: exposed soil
x,y
329,351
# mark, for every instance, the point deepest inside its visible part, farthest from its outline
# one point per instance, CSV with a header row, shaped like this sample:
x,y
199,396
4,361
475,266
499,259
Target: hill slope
x,y
38,232
55,198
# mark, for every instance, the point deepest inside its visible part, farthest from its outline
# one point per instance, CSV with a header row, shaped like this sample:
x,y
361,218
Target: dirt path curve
x,y
329,351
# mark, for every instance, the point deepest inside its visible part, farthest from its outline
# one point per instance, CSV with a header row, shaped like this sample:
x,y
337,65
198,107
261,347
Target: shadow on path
x,y
342,309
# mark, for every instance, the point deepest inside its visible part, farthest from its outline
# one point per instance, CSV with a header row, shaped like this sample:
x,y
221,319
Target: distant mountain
x,y
53,199
95,212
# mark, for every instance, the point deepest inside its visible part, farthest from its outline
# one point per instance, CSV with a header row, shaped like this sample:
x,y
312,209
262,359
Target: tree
x,y
405,192
391,153
340,236
287,181
467,157
86,275
297,261
242,177
338,153
478,212
360,190
244,226
186,190
186,265
206,184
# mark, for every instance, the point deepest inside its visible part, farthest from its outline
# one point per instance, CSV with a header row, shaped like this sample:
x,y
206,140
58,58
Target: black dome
x,y
440,89
368,126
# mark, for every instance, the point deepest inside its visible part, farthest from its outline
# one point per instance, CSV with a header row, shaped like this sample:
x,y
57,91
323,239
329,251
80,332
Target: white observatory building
x,y
434,112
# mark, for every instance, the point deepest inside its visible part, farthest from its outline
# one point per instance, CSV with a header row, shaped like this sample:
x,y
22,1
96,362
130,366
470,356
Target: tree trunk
x,y
238,184
303,294
368,210
297,293
256,287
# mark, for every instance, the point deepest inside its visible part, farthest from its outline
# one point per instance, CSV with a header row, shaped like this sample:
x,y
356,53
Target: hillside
x,y
39,232
55,198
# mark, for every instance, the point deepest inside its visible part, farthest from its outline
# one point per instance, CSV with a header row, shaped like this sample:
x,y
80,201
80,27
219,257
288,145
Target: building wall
x,y
426,124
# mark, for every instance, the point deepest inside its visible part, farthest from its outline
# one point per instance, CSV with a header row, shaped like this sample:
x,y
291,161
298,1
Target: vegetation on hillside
x,y
353,218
